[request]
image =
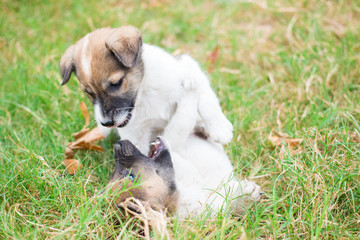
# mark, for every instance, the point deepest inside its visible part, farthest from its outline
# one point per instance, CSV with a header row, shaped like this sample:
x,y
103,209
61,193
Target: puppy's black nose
x,y
108,123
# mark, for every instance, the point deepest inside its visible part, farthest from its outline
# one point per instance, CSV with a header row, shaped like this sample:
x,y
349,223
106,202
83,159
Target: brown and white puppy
x,y
102,61
188,181
150,179
139,88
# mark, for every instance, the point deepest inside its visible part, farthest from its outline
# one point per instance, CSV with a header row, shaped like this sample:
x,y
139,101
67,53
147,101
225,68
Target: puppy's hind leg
x,y
215,123
183,121
217,126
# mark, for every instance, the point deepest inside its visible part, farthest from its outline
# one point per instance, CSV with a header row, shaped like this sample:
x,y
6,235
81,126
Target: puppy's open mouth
x,y
156,148
126,121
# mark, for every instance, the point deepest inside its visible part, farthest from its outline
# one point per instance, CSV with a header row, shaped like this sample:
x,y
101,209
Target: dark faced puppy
x,y
108,64
149,179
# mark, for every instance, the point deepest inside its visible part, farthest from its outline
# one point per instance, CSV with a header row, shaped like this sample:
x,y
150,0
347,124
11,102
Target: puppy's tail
x,y
215,123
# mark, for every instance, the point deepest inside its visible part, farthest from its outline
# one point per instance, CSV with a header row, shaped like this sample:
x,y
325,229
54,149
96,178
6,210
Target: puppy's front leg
x,y
182,123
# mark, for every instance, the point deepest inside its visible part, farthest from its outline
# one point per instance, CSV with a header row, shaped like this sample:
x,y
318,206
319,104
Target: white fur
x,y
159,108
175,96
205,180
86,57
203,172
100,118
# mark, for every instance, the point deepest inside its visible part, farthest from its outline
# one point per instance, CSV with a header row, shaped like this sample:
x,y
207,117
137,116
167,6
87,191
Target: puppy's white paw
x,y
251,190
250,193
220,129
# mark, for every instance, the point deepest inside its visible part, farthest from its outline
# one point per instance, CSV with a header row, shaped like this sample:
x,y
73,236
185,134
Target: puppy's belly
x,y
201,168
189,185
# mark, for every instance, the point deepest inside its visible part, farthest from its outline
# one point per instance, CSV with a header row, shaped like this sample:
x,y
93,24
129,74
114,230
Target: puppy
x,y
138,89
186,182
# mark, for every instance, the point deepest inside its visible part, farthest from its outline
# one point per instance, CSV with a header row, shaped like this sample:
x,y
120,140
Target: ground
x,y
280,68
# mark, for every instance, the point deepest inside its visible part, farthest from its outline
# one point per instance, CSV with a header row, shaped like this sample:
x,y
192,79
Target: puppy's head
x,y
150,179
109,67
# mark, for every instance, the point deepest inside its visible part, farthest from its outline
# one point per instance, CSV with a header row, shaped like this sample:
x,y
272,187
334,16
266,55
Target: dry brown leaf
x,y
292,145
84,139
69,153
81,133
278,138
87,140
72,165
278,141
213,57
85,114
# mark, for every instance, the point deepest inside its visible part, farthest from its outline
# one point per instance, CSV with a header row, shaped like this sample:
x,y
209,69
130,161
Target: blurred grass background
x,y
290,67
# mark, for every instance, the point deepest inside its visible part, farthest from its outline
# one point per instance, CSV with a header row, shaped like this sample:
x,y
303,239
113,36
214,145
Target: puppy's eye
x,y
129,174
89,93
117,84
131,177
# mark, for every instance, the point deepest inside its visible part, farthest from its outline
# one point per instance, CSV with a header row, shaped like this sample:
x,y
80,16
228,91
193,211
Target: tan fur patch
x,y
114,78
104,54
153,191
125,43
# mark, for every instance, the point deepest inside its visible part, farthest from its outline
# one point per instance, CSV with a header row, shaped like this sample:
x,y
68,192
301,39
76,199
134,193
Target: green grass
x,y
294,68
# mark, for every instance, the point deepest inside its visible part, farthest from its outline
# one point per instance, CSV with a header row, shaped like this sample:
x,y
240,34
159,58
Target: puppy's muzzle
x,y
112,122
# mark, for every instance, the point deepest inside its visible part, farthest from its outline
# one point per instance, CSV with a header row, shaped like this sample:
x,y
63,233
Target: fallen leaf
x,y
87,140
69,153
213,57
81,133
72,165
84,139
85,114
291,146
279,138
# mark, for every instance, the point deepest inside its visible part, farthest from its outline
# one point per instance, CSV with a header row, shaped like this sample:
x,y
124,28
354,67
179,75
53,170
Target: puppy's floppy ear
x,y
67,65
125,42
